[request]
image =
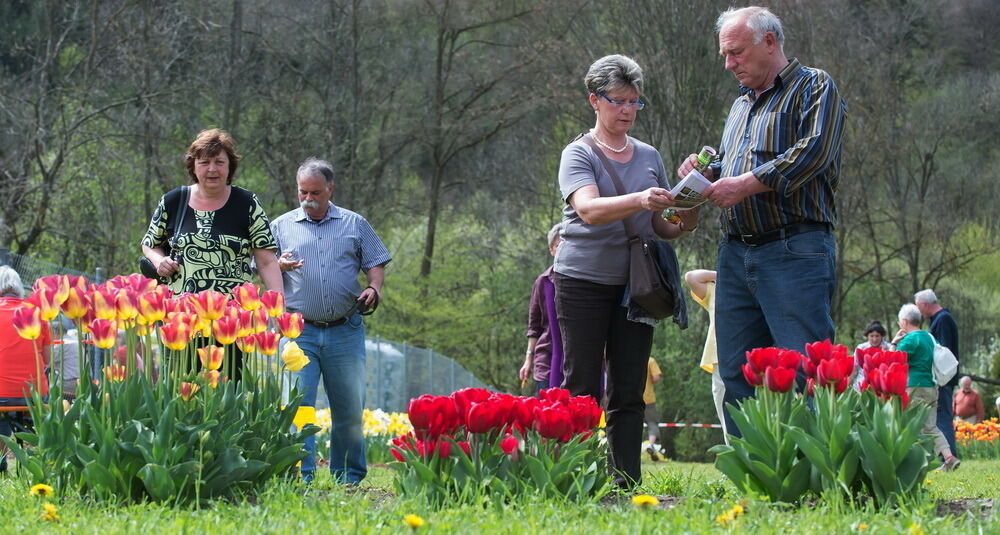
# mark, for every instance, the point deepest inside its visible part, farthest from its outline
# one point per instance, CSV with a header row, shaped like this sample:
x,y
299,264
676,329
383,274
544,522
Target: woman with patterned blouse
x,y
223,227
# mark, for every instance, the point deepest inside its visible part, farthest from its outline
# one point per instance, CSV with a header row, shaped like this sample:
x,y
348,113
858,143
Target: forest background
x,y
446,120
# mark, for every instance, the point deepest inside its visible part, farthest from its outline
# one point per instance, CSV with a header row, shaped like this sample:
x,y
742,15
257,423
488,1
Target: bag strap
x,y
586,138
182,211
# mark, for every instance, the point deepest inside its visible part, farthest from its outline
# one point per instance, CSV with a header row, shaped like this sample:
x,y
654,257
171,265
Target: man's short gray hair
x,y
613,72
965,380
760,20
315,167
10,282
555,232
910,314
925,296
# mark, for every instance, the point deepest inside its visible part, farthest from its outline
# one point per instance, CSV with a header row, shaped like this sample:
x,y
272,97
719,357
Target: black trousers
x,y
594,327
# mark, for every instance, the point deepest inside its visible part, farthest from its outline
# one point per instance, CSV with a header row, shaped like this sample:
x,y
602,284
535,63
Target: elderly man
x,y
776,180
968,404
323,247
944,329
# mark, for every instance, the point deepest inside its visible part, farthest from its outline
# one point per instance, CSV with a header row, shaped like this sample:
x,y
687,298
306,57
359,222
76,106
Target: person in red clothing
x,y
19,368
968,404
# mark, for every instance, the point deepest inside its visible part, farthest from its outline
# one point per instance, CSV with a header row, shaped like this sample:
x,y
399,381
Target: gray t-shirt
x,y
599,253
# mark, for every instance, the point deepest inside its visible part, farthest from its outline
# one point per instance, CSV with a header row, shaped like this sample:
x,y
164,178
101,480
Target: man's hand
x,y
689,164
369,296
729,191
287,262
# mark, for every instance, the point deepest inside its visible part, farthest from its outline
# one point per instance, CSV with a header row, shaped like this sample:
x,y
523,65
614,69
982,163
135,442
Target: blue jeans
x,y
775,294
6,421
338,354
945,416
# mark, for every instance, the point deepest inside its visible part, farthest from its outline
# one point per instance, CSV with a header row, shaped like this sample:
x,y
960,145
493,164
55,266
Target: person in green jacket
x,y
919,348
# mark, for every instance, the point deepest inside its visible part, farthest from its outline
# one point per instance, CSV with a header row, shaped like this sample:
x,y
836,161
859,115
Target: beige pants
x,y
928,395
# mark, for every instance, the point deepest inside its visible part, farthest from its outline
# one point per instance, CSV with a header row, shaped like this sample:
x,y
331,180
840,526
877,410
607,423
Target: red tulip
x,y
523,412
399,456
465,447
762,358
274,303
752,377
895,378
464,399
556,395
554,422
832,371
443,448
586,413
509,445
779,379
485,416
433,415
291,324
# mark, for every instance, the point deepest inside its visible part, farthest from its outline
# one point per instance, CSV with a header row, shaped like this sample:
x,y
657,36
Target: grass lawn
x,y
692,496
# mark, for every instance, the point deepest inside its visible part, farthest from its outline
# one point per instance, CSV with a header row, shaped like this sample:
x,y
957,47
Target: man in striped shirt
x,y
323,247
777,177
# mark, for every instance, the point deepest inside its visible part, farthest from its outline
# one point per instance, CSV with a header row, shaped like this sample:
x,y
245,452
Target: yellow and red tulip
x,y
136,282
45,300
77,281
76,304
211,378
115,373
104,332
209,304
59,283
105,300
248,296
291,324
211,357
175,335
259,320
27,321
247,344
274,303
188,390
267,342
152,307
244,323
224,329
126,304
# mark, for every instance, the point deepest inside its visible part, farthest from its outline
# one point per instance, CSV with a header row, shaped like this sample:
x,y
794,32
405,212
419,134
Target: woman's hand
x,y
167,266
655,199
689,219
522,374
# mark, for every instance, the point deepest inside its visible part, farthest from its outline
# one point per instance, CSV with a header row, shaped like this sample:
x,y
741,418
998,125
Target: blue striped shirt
x,y
334,249
790,138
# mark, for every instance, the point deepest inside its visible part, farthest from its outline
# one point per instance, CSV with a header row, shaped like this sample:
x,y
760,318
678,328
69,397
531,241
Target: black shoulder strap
x,y
586,138
181,211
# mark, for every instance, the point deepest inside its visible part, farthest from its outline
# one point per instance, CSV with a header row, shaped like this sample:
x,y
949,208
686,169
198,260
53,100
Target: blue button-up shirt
x,y
334,249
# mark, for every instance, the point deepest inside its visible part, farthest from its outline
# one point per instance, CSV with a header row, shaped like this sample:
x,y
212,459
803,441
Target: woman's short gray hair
x,y
555,232
315,167
613,72
760,20
10,282
910,314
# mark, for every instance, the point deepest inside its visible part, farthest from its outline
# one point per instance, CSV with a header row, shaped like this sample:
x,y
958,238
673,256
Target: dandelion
x,y
730,516
414,521
644,501
915,529
42,490
862,526
50,512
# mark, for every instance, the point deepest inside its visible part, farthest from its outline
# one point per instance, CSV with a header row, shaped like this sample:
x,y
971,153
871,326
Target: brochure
x,y
688,192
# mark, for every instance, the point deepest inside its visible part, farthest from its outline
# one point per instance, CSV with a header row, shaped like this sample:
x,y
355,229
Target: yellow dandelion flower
x,y
915,529
738,509
41,489
643,501
862,526
413,521
50,512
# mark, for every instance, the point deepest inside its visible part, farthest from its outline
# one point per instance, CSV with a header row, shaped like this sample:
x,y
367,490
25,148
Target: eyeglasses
x,y
638,104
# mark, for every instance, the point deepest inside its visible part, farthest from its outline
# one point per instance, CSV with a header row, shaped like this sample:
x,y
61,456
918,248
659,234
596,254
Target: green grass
x,y
291,508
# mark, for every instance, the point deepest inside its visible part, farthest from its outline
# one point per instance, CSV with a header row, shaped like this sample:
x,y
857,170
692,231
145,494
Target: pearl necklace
x,y
593,134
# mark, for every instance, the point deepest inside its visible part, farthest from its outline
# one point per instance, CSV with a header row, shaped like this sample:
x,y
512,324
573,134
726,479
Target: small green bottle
x,y
705,158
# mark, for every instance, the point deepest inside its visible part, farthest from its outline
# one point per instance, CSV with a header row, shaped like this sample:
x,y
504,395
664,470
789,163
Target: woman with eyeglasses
x,y
592,263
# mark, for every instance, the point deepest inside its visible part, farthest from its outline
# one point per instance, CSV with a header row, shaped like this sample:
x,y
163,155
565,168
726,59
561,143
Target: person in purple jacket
x,y
544,357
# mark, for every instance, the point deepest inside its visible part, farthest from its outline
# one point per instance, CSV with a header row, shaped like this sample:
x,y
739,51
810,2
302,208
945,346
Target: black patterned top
x,y
214,249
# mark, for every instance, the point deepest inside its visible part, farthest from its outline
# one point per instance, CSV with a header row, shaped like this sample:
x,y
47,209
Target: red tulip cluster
x,y
827,365
555,415
441,446
886,373
772,367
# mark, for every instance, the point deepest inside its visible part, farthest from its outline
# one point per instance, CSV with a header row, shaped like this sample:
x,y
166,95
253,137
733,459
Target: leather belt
x,y
325,324
779,233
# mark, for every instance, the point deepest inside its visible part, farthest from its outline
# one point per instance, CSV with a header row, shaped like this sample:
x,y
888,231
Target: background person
x,y
874,337
544,357
944,329
591,267
651,415
968,404
920,385
777,181
702,284
21,368
323,248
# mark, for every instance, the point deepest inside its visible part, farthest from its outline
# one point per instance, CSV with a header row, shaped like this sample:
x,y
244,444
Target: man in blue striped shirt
x,y
778,174
323,247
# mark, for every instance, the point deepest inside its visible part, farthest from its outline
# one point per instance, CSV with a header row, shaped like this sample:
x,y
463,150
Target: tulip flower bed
x,y
848,443
978,441
475,443
156,428
379,428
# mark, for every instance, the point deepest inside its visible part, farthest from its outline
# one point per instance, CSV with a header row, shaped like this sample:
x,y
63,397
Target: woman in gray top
x,y
591,267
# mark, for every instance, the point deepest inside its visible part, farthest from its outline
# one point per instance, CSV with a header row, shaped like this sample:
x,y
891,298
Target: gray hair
x,y
965,380
760,20
910,314
925,296
555,232
613,72
315,167
10,282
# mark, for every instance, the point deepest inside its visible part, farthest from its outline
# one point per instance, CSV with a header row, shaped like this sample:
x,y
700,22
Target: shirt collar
x,y
332,212
785,76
